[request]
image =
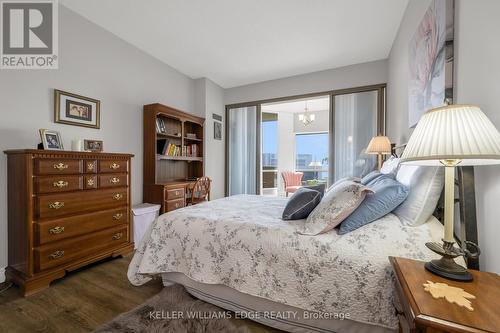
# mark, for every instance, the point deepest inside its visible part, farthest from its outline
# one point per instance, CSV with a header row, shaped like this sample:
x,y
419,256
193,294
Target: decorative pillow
x,y
370,176
425,185
335,206
390,166
341,180
320,188
301,204
388,194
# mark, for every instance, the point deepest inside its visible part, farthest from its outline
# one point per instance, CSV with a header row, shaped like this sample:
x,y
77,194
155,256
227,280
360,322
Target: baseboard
x,y
2,274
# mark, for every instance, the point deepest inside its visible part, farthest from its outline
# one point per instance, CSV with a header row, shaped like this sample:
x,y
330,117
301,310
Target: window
x,y
311,156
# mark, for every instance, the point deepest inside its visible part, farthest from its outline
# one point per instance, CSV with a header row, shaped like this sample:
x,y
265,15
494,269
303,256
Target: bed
x,y
241,244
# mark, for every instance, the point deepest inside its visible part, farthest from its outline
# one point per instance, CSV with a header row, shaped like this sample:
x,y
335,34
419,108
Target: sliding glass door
x,y
358,116
242,151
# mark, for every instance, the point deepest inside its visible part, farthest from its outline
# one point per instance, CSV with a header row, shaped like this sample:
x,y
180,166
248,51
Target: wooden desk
x,y
419,312
170,195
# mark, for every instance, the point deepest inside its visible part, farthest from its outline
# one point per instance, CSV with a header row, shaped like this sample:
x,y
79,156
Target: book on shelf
x,y
190,150
165,148
160,126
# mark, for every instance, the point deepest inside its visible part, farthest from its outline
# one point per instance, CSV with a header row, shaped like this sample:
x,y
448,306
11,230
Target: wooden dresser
x,y
65,210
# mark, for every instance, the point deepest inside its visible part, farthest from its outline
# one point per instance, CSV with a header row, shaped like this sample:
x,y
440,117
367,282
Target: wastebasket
x,y
144,215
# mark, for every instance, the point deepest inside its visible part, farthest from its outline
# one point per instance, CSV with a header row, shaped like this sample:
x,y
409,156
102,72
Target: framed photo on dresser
x,y
72,109
51,140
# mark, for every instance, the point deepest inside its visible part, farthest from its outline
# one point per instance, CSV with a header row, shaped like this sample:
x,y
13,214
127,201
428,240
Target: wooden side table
x,y
419,312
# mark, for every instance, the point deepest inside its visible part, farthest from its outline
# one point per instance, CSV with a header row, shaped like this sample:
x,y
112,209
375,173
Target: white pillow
x,y
390,166
425,185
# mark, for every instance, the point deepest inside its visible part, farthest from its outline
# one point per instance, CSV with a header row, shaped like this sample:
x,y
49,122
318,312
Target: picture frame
x,y
217,130
76,110
95,146
431,61
51,140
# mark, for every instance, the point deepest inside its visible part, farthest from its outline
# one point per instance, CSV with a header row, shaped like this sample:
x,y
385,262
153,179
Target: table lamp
x,y
449,136
379,145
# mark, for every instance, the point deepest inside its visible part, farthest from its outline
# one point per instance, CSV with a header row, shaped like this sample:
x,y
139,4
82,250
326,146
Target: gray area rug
x,y
173,310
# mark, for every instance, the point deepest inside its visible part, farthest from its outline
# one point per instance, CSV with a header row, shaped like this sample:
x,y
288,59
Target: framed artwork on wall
x,y
430,56
72,109
217,130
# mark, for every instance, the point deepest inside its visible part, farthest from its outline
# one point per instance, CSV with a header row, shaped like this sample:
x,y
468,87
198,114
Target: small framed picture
x,y
72,109
217,130
51,140
92,145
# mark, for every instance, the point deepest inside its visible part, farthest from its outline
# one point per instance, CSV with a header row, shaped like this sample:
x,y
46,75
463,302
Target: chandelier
x,y
306,118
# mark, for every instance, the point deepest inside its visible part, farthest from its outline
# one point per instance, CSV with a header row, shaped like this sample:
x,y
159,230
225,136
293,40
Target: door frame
x,y
381,88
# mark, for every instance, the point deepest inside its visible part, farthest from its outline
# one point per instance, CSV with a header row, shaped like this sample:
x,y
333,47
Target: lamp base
x,y
449,269
446,266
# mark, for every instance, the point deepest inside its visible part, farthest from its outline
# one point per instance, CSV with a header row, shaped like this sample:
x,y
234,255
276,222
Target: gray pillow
x,y
389,194
320,188
301,204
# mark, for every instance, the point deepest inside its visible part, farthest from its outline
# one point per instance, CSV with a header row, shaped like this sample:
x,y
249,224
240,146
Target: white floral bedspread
x,y
241,242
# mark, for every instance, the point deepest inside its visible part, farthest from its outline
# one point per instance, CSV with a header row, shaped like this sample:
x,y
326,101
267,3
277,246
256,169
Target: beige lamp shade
x,y
453,132
379,145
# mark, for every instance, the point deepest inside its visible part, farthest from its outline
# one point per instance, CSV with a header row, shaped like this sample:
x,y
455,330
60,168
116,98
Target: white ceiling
x,y
298,105
237,42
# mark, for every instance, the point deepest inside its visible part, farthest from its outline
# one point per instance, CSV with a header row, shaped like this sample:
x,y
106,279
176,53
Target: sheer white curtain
x,y
355,124
242,164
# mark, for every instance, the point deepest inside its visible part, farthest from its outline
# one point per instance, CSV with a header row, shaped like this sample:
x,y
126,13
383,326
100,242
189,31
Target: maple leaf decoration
x,y
451,294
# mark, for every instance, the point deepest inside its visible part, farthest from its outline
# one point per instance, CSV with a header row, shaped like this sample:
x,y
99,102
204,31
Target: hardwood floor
x,y
82,301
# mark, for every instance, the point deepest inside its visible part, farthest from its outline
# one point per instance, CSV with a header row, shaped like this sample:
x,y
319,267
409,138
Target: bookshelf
x,y
173,153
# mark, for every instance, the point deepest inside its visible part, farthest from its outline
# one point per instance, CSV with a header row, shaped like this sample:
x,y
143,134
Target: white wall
x,y
477,71
209,99
93,63
339,78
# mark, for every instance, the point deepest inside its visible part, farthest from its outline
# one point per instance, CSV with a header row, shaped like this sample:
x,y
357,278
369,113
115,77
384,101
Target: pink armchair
x,y
293,181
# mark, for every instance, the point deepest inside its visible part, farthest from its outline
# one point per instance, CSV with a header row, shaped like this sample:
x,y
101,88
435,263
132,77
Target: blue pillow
x,y
301,204
370,176
388,194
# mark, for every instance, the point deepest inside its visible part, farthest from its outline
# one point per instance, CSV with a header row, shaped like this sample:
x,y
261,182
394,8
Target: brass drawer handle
x,y
176,205
90,166
60,166
114,166
177,192
56,230
117,216
117,236
114,180
60,184
90,182
117,196
56,205
56,255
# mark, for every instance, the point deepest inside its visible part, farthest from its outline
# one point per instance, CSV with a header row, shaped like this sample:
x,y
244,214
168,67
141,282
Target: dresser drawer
x,y
113,180
174,204
51,255
51,184
90,166
110,166
55,205
57,166
176,193
55,230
